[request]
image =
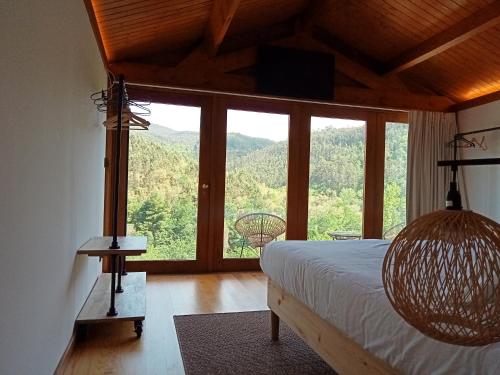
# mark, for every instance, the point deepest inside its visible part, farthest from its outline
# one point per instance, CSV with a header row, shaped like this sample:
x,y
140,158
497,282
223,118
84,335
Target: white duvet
x,y
341,281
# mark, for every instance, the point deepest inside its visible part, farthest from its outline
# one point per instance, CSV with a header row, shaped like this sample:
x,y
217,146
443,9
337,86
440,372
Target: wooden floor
x,y
114,348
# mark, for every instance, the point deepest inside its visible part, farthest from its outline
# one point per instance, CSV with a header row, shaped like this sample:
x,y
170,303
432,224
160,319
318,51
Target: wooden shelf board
x,y
131,304
99,246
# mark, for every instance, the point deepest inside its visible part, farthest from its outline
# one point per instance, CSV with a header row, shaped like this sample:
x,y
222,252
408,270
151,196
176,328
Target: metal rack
x,y
132,303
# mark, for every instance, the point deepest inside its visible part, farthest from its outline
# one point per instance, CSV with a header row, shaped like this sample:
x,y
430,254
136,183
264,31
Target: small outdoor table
x,y
345,235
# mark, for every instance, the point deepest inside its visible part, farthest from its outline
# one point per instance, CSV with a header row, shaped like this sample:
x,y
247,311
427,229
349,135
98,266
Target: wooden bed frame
x,y
343,354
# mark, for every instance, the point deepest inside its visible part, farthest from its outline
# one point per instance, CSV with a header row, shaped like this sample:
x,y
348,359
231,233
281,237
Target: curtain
x,y
427,184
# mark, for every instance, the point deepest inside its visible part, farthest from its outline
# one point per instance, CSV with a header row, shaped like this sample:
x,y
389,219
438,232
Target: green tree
x,y
150,219
163,186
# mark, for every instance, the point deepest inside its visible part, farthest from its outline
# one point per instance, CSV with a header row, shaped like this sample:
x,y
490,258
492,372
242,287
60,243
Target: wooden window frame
x,y
224,104
213,161
167,266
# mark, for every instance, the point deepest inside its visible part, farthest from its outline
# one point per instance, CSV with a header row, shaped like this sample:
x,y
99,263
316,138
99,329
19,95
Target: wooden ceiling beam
x,y
248,57
222,14
190,77
229,58
324,36
306,20
394,99
198,79
471,103
306,24
255,37
242,58
350,58
344,64
458,33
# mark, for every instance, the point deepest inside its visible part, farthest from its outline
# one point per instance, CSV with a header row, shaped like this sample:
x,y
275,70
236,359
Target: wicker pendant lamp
x,y
442,274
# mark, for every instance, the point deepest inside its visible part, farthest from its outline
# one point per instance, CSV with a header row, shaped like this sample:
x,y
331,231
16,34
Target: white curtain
x,y
427,185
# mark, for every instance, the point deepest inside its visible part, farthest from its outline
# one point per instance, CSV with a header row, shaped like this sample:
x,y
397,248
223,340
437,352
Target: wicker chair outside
x,y
393,231
259,228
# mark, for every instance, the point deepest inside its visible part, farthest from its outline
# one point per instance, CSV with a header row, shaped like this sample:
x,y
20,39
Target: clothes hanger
x,y
129,119
481,144
461,142
102,97
140,108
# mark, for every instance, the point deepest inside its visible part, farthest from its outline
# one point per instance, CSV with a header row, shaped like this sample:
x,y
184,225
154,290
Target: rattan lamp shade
x,y
442,275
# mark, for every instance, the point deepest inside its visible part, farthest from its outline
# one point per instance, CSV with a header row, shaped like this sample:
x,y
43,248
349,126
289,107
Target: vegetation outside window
x,y
163,173
396,151
256,173
336,177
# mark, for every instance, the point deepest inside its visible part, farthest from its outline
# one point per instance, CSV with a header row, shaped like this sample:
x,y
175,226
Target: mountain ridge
x,y
237,144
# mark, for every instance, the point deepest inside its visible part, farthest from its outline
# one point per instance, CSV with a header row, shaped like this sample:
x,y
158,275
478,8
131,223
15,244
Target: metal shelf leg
x,y
112,310
119,288
124,271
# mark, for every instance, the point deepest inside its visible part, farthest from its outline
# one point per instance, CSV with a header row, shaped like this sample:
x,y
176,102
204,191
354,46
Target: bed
x,y
331,294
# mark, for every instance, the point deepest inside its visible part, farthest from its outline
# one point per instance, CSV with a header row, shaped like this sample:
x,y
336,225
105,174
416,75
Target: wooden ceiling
x,y
437,54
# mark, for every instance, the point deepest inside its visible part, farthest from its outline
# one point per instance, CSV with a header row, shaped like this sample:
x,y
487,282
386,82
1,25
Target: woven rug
x,y
240,343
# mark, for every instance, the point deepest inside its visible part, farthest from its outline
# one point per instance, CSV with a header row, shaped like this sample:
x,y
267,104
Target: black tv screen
x,y
294,73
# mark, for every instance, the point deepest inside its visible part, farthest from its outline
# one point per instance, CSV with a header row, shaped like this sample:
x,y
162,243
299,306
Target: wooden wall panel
x,y
132,28
376,32
384,29
257,14
466,71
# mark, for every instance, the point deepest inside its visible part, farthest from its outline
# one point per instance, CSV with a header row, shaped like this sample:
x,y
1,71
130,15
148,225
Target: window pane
x,y
336,178
163,182
396,150
256,174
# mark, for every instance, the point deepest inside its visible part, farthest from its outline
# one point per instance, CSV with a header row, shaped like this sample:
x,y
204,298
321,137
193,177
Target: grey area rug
x,y
240,343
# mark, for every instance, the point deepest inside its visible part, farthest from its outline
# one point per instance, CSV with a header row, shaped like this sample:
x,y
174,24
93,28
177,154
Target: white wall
x,y
51,177
483,182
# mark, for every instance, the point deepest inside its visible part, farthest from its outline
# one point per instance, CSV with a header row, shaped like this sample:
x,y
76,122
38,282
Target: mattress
x,y
341,281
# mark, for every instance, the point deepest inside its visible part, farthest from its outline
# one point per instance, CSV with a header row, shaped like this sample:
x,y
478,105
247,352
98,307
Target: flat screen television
x,y
295,73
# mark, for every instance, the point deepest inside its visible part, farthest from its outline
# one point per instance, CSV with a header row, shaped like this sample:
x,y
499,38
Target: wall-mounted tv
x,y
295,73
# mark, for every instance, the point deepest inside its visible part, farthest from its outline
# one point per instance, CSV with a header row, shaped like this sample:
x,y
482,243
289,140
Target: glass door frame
x,y
299,134
164,266
373,198
213,130
222,106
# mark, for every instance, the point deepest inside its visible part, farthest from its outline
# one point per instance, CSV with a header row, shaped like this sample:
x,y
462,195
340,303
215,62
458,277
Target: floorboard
x,y
114,348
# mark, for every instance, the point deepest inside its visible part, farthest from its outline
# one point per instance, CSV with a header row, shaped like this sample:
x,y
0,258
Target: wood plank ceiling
x,y
428,47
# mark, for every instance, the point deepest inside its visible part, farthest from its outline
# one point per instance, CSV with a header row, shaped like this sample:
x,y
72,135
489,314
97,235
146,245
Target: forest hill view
x,y
163,185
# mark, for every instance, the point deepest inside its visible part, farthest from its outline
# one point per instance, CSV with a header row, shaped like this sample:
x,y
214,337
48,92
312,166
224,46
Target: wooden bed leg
x,y
275,326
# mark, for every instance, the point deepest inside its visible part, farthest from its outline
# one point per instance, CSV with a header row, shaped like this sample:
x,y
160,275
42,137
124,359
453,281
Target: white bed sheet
x,y
342,282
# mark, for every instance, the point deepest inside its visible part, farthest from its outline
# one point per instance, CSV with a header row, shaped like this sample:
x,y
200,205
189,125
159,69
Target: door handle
x,y
204,186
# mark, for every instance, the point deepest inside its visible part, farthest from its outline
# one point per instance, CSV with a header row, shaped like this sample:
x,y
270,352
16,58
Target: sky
x,y
254,124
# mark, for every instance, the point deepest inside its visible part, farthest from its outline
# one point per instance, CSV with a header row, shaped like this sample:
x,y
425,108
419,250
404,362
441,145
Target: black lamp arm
x,y
455,162
453,198
462,134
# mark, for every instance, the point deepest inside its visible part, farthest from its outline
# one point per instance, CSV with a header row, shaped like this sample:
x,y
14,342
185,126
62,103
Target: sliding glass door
x,y
396,153
256,179
336,178
208,165
163,179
